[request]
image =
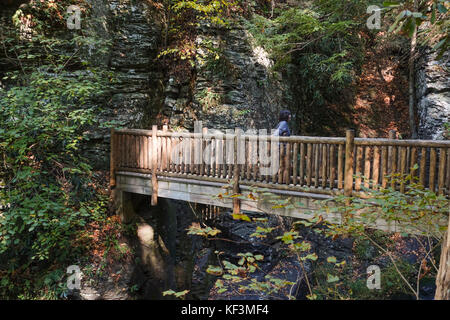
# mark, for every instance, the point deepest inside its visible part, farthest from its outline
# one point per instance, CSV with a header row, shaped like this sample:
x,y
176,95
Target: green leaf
x,y
441,8
331,259
216,271
168,292
331,278
259,257
311,256
181,293
438,45
391,4
219,283
228,265
433,14
241,216
312,296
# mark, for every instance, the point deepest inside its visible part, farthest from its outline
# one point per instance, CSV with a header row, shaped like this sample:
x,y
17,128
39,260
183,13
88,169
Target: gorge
x,y
165,63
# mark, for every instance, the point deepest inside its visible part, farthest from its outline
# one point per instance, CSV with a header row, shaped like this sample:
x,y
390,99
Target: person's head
x,y
285,115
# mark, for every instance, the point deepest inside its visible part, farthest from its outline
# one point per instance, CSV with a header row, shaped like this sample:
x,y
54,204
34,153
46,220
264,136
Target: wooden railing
x,y
321,165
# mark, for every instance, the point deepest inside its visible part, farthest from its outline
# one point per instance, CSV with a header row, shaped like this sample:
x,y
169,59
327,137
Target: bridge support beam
x,y
124,205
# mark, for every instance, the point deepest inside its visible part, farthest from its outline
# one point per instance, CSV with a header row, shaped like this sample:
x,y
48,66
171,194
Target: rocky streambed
x,y
166,257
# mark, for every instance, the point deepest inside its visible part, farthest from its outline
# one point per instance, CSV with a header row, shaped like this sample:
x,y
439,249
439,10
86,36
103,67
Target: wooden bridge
x,y
197,167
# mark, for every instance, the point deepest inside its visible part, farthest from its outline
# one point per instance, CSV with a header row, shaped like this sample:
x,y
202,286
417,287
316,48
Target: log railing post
x,y
164,162
112,164
154,165
348,177
236,173
392,154
203,145
441,174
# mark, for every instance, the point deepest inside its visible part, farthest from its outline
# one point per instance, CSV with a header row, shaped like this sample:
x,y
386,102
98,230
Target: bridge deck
x,y
196,167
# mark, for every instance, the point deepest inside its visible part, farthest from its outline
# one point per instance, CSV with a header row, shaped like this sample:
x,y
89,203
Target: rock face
x,y
107,288
133,31
433,95
136,36
233,85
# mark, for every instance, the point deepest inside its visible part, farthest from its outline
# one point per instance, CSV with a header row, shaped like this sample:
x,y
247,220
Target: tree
x,y
425,21
412,81
429,22
443,276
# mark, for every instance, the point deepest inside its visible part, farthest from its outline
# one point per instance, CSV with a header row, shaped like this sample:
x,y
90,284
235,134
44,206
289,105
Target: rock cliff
x,y
433,95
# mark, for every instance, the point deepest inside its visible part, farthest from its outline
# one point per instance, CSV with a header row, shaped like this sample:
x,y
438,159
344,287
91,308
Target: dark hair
x,y
284,115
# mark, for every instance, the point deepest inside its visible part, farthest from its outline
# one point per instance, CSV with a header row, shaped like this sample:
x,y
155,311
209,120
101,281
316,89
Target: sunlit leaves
x,y
211,10
331,259
302,246
312,296
47,109
249,260
180,294
216,271
262,232
197,230
433,21
311,256
288,237
241,216
332,278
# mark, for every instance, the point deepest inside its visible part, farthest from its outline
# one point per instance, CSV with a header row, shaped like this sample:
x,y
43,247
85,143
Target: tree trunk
x,y
273,8
412,82
443,276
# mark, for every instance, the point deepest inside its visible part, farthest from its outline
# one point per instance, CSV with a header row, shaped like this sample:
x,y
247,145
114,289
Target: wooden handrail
x,y
297,139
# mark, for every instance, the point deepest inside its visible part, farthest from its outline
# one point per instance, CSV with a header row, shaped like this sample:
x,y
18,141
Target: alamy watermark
x,y
74,17
374,277
374,21
229,147
74,279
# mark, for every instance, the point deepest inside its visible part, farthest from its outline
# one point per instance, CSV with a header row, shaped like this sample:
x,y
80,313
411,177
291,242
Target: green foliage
x,y
209,99
432,18
45,196
212,11
418,212
238,277
182,20
241,216
205,232
46,16
46,190
343,282
346,10
319,51
446,133
421,213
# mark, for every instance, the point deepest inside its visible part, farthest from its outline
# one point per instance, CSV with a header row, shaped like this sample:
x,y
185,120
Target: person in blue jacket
x,y
283,130
283,127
